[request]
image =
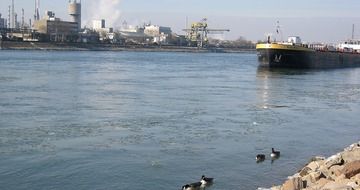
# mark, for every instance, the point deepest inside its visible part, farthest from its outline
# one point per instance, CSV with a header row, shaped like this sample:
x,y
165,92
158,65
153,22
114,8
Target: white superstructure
x,y
350,46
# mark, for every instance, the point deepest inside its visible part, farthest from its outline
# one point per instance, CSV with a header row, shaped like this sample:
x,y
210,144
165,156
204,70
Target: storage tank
x,y
75,12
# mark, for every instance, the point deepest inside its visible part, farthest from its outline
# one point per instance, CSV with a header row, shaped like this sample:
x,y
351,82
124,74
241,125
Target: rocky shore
x,y
338,172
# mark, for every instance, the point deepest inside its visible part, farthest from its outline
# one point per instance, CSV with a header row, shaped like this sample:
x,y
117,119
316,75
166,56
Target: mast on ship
x,y
279,31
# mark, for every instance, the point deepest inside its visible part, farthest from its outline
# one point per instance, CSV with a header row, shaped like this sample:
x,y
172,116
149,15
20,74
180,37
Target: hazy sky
x,y
313,20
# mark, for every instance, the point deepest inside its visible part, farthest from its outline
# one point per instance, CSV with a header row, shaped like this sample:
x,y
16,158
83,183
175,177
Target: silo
x,y
75,12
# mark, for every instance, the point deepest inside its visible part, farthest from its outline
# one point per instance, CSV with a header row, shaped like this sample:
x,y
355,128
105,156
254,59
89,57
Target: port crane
x,y
197,34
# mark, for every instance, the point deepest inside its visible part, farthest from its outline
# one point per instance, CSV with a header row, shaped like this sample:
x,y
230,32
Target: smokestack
x,y
16,20
22,19
36,13
13,14
37,10
9,18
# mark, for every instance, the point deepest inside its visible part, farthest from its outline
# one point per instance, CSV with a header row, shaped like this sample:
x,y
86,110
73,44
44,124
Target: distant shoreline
x,y
45,46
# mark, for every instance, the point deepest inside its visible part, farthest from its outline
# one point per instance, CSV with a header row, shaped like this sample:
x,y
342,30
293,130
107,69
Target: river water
x,y
135,120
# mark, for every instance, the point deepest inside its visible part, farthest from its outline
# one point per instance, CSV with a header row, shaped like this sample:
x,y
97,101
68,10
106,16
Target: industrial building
x,y
105,34
160,34
56,29
98,24
3,22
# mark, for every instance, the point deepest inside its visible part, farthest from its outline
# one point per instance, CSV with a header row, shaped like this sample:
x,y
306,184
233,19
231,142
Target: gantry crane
x,y
197,35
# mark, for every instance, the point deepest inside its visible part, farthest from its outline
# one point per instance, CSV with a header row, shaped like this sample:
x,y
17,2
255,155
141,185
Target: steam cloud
x,y
105,9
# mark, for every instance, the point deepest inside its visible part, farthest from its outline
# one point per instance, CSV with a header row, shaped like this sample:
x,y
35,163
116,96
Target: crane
x,y
197,35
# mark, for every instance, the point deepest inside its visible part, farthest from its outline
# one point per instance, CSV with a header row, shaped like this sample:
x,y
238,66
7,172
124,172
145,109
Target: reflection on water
x,y
266,77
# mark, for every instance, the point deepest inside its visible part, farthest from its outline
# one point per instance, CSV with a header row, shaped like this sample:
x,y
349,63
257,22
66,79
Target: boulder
x,y
326,172
312,178
294,183
353,155
336,186
336,170
276,188
316,176
305,171
353,185
356,179
352,147
334,160
321,183
351,169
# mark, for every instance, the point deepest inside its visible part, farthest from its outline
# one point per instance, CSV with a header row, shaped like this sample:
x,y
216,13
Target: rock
x,y
353,185
351,169
334,160
305,171
293,184
307,181
336,186
353,155
342,180
317,158
356,179
352,147
276,188
314,166
336,170
321,183
312,178
326,172
316,176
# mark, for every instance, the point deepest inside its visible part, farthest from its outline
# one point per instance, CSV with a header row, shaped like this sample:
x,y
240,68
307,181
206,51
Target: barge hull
x,y
288,58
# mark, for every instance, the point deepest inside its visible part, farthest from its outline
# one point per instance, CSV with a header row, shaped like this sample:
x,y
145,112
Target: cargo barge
x,y
295,54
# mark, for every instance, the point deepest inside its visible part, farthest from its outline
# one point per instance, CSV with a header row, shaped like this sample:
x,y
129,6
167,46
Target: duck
x,y
260,157
274,154
206,180
192,186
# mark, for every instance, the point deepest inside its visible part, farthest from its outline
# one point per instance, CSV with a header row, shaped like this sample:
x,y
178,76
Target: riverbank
x,y
338,172
11,45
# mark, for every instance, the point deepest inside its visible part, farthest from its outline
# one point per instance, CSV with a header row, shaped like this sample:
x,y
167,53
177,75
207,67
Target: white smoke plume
x,y
104,9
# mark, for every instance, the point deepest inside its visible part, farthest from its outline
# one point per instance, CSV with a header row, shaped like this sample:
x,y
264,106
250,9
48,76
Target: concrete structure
x,y
75,12
56,29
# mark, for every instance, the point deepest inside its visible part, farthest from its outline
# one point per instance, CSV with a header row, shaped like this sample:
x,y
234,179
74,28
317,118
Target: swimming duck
x,y
274,154
260,157
192,186
206,180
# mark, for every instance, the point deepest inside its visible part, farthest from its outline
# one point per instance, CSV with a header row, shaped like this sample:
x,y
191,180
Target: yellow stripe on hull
x,y
275,46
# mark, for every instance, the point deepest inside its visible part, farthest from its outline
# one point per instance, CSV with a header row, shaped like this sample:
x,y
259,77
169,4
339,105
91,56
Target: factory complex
x,y
51,29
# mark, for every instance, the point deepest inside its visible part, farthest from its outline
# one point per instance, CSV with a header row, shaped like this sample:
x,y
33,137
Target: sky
x,y
327,21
